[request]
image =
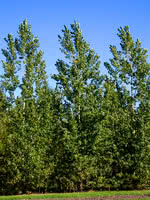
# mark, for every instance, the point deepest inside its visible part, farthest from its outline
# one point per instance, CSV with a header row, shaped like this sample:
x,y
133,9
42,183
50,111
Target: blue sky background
x,y
99,21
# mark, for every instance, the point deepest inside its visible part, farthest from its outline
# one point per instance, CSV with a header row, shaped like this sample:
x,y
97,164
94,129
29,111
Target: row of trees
x,y
90,132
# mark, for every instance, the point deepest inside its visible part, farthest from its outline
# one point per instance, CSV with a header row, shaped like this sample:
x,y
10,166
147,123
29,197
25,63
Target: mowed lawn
x,y
77,195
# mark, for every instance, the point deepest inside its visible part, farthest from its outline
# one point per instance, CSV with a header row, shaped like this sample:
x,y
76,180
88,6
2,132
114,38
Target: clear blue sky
x,y
99,21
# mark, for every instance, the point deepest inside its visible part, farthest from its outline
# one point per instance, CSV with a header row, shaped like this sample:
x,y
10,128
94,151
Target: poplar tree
x,y
79,82
79,78
129,71
27,153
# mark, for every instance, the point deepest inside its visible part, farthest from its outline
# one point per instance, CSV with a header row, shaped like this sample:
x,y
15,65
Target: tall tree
x,y
129,71
26,144
79,81
78,78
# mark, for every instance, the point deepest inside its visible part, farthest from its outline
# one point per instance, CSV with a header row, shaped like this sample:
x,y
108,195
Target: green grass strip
x,y
75,195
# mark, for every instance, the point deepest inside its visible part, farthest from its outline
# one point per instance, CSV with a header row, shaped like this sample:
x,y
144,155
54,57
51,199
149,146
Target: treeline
x,y
92,132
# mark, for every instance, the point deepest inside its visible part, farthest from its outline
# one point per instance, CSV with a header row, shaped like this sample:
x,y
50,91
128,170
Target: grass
x,y
76,195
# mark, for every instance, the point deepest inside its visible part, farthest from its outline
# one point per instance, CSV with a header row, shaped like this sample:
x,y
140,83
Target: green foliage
x,y
28,165
89,133
129,71
79,81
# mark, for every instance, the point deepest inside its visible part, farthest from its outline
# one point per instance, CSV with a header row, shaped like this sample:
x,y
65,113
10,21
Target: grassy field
x,y
76,195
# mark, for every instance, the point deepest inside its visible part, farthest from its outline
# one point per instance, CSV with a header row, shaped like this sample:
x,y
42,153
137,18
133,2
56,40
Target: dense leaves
x,y
90,132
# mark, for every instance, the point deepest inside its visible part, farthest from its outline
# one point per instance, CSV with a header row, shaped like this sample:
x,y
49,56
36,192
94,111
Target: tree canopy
x,y
90,132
